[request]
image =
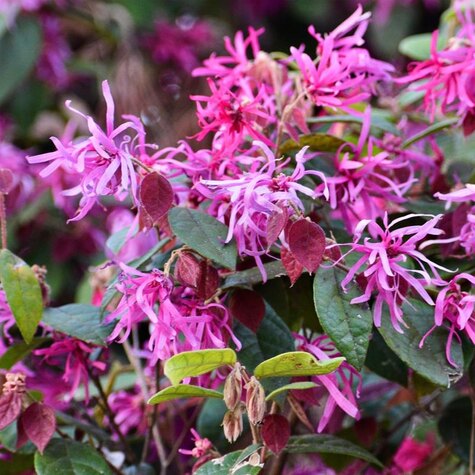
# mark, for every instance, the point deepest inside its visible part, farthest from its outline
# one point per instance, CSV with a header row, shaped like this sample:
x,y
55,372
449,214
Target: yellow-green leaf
x,y
23,293
291,386
195,363
296,363
183,391
316,143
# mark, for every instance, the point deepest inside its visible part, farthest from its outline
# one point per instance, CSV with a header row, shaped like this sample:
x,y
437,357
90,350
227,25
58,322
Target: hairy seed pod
x,y
232,424
255,401
233,388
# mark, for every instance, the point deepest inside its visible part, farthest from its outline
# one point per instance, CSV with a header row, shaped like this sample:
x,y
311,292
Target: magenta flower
x,y
75,355
338,385
366,182
412,454
174,327
343,73
103,162
7,320
201,448
129,409
247,202
455,309
232,116
384,255
467,193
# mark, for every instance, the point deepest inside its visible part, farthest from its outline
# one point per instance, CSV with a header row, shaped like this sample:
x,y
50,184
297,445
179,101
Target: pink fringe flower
x,y
382,263
103,162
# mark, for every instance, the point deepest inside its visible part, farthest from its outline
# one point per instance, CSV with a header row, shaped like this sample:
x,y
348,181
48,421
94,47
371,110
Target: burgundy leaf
x,y
307,243
248,307
21,438
275,224
207,282
468,124
10,408
366,430
39,424
275,432
293,268
187,269
156,197
6,180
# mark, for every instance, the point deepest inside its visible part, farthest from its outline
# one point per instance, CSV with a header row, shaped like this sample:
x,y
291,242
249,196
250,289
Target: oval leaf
x,y
182,391
293,268
38,423
348,325
307,243
195,363
291,386
10,408
248,307
275,224
230,464
296,363
204,234
430,360
23,293
316,142
328,444
67,457
275,432
80,321
155,196
19,50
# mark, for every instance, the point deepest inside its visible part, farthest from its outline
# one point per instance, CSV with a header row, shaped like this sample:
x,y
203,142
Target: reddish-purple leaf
x,y
39,424
248,307
21,438
468,124
275,432
307,243
332,253
293,268
208,281
6,180
10,408
187,269
275,225
156,197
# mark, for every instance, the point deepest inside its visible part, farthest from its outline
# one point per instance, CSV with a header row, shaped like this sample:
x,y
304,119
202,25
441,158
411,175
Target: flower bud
x,y
14,383
233,388
232,424
255,401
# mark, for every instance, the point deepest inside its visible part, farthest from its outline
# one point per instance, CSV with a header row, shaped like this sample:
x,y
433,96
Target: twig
x,y
3,221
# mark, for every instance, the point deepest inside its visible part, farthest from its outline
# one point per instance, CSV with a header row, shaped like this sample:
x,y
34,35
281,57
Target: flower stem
x,y
3,221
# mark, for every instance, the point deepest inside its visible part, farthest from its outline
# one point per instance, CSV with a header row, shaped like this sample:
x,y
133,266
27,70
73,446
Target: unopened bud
x,y
233,388
255,401
232,424
14,383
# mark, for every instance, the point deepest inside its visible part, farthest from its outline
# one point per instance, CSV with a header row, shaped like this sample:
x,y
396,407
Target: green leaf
x,y
328,444
183,391
418,46
19,351
291,386
296,363
19,50
67,457
429,361
253,276
384,362
204,234
455,426
80,321
432,129
229,464
195,363
348,325
316,142
116,241
23,293
376,121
